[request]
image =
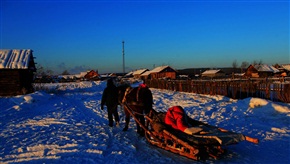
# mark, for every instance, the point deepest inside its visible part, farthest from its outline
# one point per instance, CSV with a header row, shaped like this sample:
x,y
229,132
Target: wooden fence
x,y
237,89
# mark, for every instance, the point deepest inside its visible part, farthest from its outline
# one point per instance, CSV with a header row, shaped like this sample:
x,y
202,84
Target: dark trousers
x,y
142,121
112,111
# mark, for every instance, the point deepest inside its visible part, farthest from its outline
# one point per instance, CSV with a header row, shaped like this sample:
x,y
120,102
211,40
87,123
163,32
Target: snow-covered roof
x,y
129,74
146,73
286,66
68,76
15,59
105,76
139,72
82,74
212,71
159,69
265,68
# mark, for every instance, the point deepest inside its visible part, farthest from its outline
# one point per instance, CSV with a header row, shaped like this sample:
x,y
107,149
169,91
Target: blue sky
x,y
79,35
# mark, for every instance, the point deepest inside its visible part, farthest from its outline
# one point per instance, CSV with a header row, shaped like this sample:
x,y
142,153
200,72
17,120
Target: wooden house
x,y
137,74
213,73
261,70
165,72
17,69
129,74
285,69
145,75
92,75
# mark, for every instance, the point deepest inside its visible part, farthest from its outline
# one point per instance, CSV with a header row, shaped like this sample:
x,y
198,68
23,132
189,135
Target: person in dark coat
x,y
110,99
146,96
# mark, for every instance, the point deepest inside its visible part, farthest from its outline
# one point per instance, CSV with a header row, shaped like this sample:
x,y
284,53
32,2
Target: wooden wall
x,y
15,82
170,75
237,89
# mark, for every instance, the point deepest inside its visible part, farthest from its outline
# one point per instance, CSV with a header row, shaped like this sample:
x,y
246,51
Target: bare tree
x,y
49,72
276,65
41,71
244,65
235,64
65,72
254,62
259,63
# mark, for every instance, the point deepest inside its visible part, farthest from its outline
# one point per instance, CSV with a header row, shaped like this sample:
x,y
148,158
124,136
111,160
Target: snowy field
x,y
63,123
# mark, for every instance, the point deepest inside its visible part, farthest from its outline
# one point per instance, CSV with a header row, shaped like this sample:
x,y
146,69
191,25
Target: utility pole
x,y
123,52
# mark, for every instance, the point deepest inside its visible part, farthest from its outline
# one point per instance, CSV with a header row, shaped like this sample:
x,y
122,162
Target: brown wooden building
x,y
213,73
17,69
92,75
163,72
145,75
137,74
261,70
285,69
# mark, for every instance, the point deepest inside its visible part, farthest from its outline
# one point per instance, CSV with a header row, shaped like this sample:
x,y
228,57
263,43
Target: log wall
x,y
15,82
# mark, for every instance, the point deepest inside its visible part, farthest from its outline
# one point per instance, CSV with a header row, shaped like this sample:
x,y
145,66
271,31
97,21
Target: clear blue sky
x,y
79,35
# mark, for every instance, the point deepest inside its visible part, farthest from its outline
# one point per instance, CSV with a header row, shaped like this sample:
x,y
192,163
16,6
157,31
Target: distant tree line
x,y
245,64
43,72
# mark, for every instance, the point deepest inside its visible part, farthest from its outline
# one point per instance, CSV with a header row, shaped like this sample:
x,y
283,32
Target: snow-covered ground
x,y
64,124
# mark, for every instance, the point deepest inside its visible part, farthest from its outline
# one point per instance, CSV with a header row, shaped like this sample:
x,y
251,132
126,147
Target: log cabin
x,y
261,70
17,69
137,74
92,75
165,72
213,73
285,69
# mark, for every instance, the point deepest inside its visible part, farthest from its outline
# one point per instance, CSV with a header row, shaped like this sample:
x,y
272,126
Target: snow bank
x,y
258,102
63,123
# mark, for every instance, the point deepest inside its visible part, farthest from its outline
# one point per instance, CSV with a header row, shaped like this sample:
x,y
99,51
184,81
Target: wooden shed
x,y
145,75
286,69
163,72
17,69
137,74
261,70
92,75
213,73
129,74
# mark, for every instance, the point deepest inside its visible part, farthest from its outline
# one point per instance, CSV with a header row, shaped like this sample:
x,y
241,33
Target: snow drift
x,y
63,123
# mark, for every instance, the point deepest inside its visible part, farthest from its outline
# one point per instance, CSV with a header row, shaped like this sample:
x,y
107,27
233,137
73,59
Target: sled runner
x,y
206,144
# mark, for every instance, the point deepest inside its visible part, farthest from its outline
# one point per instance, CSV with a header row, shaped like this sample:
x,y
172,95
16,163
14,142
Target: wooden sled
x,y
201,146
